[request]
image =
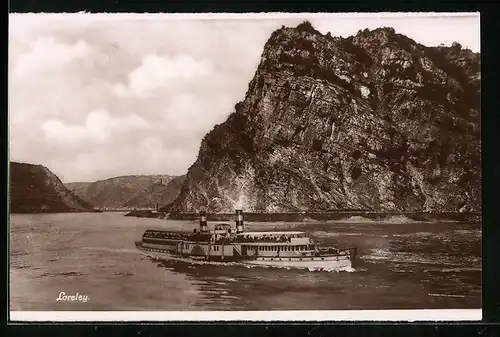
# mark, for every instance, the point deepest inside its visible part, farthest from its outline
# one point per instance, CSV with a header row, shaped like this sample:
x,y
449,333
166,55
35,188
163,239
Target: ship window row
x,y
267,238
157,241
164,235
285,248
178,236
216,248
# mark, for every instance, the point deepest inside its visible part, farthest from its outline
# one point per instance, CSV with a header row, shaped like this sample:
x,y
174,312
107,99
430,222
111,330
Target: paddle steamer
x,y
289,249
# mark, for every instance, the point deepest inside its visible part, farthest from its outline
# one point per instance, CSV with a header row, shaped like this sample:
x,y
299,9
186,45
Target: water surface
x,y
400,265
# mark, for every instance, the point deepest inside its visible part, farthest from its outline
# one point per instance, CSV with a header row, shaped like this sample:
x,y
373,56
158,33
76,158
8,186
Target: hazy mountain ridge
x,y
375,121
117,192
159,194
34,189
79,188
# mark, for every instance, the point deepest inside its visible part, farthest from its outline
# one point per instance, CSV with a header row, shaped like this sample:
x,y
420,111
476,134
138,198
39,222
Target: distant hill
x,y
158,193
79,188
116,192
34,188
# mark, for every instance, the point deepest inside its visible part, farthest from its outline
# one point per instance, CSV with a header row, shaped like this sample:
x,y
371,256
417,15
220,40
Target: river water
x,y
400,265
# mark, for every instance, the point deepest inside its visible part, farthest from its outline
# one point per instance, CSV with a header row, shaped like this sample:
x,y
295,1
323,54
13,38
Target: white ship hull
x,y
306,263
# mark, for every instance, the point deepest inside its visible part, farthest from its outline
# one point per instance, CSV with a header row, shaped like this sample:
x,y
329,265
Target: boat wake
x,y
336,270
113,250
446,262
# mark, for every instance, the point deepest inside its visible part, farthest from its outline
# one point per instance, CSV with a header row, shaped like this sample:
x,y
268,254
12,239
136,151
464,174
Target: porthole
x,y
312,258
322,258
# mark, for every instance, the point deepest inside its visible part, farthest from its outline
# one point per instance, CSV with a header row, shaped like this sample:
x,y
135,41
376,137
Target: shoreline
x,y
313,216
341,216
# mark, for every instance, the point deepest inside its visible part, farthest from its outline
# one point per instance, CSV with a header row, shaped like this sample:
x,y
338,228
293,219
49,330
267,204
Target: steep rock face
x,y
34,188
375,122
157,194
116,192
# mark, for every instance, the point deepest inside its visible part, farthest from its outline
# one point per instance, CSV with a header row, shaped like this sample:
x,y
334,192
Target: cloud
x,y
51,77
47,54
149,156
157,72
98,127
188,112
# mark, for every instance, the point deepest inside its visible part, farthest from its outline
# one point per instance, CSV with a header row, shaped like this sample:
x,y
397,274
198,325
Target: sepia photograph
x,y
265,166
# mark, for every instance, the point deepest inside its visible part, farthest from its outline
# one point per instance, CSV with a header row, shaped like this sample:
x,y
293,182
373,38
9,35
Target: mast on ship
x,y
239,221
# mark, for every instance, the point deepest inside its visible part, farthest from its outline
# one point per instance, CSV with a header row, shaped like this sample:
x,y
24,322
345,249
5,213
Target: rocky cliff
x,y
375,121
34,188
116,192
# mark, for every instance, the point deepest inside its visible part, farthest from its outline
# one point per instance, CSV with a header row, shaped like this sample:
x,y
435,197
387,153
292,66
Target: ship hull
x,y
316,263
327,262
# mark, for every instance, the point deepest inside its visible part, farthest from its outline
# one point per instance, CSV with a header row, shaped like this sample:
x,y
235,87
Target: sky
x,y
93,96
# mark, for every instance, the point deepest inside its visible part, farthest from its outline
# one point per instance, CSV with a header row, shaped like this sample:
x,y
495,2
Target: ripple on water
x,y
383,255
70,273
454,269
124,274
23,266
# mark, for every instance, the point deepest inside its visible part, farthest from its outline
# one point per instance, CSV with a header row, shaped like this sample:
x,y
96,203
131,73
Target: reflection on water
x,y
399,266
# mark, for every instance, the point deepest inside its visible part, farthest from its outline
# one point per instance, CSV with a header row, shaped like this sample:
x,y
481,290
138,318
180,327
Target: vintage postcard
x,y
264,167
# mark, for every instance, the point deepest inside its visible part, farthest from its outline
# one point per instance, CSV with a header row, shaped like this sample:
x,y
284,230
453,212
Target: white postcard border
x,y
264,316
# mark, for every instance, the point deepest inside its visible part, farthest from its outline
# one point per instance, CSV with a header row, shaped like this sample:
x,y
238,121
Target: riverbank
x,y
147,214
315,216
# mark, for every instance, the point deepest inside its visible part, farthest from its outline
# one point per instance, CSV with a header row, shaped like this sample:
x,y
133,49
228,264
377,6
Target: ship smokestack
x,y
203,221
239,221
